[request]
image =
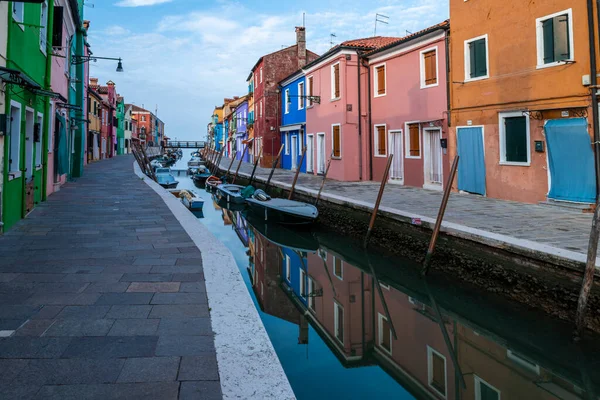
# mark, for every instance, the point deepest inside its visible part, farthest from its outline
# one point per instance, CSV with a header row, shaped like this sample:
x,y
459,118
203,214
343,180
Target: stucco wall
x,y
3,44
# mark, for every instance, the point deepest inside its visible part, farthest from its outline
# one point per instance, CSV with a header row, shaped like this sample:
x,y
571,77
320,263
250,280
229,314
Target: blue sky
x,y
184,56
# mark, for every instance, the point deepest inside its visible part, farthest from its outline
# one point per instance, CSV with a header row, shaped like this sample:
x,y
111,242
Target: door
x,y
471,165
321,153
294,151
570,160
433,158
309,154
397,168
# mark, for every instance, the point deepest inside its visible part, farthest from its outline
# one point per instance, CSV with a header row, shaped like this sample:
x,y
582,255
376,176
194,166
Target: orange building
x,y
521,97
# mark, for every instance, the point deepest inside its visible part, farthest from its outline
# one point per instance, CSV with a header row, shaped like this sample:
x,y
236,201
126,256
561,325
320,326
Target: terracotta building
x,y
267,72
521,101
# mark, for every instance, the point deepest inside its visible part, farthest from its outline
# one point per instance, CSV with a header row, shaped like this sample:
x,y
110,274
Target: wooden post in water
x,y
230,165
588,277
297,173
324,179
378,201
148,165
273,168
440,217
237,171
241,161
255,165
218,163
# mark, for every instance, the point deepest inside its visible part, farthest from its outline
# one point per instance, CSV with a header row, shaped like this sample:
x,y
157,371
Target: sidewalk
x,y
527,228
102,296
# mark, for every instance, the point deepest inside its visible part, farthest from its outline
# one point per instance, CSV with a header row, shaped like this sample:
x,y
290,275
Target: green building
x,y
120,125
27,79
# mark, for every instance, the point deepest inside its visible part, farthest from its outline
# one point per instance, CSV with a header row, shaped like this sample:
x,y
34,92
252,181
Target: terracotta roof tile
x,y
370,43
441,25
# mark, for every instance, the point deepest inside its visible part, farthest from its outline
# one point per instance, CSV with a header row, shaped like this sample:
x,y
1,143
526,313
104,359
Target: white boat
x,y
191,200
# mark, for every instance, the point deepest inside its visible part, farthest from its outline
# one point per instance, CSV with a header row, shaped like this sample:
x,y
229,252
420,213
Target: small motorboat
x,y
230,193
156,164
212,182
282,211
167,181
196,154
191,200
223,204
200,178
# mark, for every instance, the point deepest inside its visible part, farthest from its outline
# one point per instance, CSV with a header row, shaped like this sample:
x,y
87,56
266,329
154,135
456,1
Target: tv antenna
x,y
384,19
331,36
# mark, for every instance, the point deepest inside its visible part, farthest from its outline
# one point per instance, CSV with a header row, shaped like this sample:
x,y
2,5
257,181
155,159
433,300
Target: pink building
x,y
409,103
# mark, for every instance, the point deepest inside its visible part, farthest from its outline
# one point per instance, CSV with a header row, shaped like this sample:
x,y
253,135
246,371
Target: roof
x,y
291,77
94,93
442,25
370,43
308,52
135,108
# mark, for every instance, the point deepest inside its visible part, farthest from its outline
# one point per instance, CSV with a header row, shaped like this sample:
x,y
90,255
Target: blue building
x,y
295,274
241,133
217,128
293,120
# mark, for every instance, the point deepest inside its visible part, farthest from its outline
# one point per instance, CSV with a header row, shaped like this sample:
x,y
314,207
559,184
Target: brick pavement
x,y
102,296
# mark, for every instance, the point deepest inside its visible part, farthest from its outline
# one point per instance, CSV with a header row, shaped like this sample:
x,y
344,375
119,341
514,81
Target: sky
x,y
182,57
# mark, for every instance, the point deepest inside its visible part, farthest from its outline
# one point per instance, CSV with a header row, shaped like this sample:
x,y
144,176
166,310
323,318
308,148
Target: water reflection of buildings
x,y
337,295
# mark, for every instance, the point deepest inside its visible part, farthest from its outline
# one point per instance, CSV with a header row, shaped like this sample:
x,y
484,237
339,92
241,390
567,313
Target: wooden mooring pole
x,y
230,165
324,179
255,165
440,217
378,201
588,277
217,160
273,167
298,167
237,171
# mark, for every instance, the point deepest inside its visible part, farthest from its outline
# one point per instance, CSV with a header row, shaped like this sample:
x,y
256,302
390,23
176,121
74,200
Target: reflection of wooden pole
x,y
273,168
324,179
381,297
255,165
379,196
440,217
298,167
590,269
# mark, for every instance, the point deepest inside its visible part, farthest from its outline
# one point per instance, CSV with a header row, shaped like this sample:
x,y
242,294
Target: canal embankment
x,y
529,253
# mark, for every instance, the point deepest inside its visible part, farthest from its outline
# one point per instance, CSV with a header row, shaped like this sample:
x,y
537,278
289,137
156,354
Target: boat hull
x,y
229,196
171,185
271,215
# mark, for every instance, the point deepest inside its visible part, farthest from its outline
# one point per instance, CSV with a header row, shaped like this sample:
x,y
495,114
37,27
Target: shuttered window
x,y
430,67
438,373
310,91
380,72
385,333
478,58
414,140
335,76
556,39
337,141
338,312
515,139
380,144
301,95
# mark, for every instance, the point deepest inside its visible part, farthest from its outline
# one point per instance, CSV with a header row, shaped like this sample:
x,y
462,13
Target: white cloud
x,y
116,30
140,3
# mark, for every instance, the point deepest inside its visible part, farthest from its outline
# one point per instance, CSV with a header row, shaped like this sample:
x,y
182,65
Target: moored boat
x,y
165,178
282,211
191,200
212,182
230,193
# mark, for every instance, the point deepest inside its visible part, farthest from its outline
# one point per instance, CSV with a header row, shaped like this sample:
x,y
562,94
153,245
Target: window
x,y
261,75
336,140
514,139
14,137
261,108
38,143
44,26
338,268
476,59
302,283
413,140
380,141
288,270
554,39
338,316
429,68
385,334
300,95
143,118
485,391
288,101
436,366
286,141
310,91
18,12
379,78
311,294
335,81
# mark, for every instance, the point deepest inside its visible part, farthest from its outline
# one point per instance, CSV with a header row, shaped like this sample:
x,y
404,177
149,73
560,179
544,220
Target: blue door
x,y
571,160
471,165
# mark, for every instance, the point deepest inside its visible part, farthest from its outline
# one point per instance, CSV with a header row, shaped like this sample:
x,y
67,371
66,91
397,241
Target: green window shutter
x,y
515,139
481,58
561,38
548,28
472,59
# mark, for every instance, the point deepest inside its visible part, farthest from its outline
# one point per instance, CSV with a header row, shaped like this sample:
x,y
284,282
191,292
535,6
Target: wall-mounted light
x,y
78,59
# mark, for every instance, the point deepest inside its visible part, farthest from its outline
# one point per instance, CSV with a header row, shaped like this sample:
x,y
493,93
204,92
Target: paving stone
x,y
146,278
83,312
184,345
189,261
7,277
18,392
40,277
34,327
185,326
79,327
14,298
125,298
179,298
129,311
129,391
63,299
183,277
179,311
9,369
60,287
30,347
153,261
17,311
111,347
103,277
154,369
199,368
96,269
69,371
204,390
193,287
104,287
150,287
134,327
48,312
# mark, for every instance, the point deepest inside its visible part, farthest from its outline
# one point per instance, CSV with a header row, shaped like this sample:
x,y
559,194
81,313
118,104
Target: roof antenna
x,y
304,20
384,19
331,36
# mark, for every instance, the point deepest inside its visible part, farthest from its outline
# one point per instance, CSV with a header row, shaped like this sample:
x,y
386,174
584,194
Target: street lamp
x,y
78,59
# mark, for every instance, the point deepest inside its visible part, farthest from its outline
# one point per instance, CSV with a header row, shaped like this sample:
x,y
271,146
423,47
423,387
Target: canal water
x,y
350,324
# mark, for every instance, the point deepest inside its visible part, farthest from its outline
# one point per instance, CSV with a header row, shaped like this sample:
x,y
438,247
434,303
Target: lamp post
x,y
79,59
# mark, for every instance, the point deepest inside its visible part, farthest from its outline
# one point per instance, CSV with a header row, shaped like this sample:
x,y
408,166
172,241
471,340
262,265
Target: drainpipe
x,y
594,87
370,125
448,101
360,155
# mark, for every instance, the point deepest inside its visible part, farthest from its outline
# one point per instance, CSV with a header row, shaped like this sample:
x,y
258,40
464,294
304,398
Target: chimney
x,y
301,45
94,82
